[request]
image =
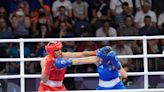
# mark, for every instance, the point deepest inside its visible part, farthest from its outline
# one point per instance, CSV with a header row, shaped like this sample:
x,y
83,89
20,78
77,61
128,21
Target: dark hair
x,y
106,21
128,16
125,4
147,16
42,14
61,7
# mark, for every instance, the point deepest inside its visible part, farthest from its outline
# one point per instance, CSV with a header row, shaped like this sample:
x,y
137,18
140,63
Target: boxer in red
x,y
52,77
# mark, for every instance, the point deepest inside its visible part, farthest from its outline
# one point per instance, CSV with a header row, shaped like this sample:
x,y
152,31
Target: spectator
x,y
80,13
63,31
62,17
5,31
121,17
106,31
80,10
139,17
140,3
116,6
66,3
21,24
48,12
128,29
3,14
100,13
25,7
42,25
148,29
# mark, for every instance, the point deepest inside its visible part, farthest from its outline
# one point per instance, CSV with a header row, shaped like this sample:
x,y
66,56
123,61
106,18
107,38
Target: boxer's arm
x,y
123,73
45,70
79,54
86,60
115,61
62,63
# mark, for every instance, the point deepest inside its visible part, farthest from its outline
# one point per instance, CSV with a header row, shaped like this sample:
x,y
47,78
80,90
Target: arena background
x,y
26,26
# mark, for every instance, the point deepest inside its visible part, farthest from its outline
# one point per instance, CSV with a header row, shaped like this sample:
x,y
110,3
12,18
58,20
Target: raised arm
x,y
109,55
114,60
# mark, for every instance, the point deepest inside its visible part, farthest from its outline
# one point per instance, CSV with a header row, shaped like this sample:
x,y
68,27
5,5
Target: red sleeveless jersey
x,y
55,74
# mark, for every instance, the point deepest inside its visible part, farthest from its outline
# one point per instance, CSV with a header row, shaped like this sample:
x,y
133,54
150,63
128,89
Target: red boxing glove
x,y
48,64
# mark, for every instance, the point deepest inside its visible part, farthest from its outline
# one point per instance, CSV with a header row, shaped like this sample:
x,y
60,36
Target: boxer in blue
x,y
108,68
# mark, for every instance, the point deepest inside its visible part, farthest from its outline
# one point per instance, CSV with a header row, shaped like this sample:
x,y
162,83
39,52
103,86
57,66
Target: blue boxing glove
x,y
114,60
61,63
102,53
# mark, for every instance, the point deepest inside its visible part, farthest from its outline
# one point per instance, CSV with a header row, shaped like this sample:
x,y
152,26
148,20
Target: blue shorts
x,y
119,85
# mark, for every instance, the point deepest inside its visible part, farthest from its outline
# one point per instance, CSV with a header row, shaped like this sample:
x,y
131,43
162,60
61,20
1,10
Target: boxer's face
x,y
58,53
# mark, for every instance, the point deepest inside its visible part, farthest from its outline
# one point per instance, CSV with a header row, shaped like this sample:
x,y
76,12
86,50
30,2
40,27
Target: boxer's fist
x,y
61,63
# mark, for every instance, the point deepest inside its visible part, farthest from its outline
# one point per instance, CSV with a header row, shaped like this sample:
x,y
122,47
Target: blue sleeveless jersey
x,y
106,72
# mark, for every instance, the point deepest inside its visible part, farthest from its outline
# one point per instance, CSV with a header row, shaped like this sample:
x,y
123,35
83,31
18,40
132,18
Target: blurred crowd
x,y
81,18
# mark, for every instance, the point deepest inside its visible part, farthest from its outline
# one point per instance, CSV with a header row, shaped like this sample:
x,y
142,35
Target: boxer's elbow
x,y
45,78
123,73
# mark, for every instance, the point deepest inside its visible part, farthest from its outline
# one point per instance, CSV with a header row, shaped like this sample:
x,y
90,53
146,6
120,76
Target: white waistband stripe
x,y
110,83
54,83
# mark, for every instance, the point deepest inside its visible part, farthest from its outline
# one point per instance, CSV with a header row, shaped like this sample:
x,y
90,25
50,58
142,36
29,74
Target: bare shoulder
x,y
42,63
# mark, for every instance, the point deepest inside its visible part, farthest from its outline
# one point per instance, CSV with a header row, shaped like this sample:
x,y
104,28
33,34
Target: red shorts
x,y
43,87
